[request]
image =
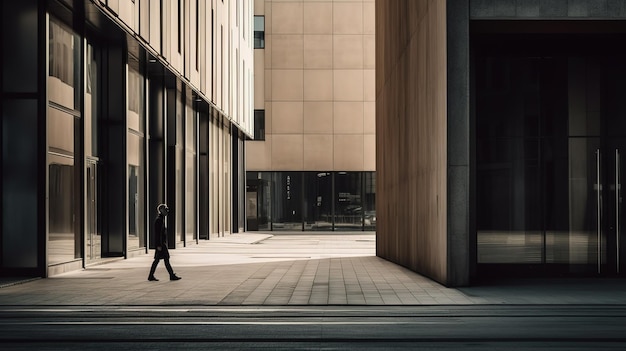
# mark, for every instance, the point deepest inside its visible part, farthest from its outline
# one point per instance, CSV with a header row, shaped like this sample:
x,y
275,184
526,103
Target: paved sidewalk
x,y
289,269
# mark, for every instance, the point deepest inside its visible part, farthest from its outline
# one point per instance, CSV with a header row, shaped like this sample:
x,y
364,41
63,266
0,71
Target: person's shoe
x,y
174,277
152,279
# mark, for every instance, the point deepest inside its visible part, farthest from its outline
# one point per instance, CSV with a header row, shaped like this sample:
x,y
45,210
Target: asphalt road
x,y
481,327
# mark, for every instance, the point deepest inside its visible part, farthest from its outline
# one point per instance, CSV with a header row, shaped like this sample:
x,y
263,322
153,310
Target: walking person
x,y
160,240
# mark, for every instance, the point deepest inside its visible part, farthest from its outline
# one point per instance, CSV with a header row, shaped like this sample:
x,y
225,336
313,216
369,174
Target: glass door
x,y
613,215
550,146
93,244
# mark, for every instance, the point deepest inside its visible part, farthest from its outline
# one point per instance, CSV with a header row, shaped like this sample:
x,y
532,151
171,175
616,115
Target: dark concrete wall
x,y
459,145
555,9
411,136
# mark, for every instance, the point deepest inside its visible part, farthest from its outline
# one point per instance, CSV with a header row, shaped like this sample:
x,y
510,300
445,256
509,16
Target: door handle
x,y
599,209
618,196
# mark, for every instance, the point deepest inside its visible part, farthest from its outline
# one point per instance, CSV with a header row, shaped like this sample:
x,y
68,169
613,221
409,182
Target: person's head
x,y
163,209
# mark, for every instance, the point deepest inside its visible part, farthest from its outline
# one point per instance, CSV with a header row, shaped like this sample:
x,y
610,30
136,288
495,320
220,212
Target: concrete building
x,y
110,108
311,165
501,127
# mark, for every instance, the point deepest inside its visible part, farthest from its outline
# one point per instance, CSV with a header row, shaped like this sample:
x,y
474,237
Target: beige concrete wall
x,y
318,84
411,126
224,74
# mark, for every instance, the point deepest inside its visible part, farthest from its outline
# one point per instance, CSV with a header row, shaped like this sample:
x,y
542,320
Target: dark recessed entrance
x,y
549,111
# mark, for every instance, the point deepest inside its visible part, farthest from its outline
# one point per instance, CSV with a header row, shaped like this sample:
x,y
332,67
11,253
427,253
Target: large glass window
x,y
227,147
348,201
548,154
64,242
259,124
215,150
92,236
190,182
369,201
64,61
287,197
179,212
258,200
318,200
90,115
311,201
136,156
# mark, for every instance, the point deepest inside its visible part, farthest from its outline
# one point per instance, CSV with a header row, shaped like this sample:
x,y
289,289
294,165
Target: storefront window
x,y
136,159
369,201
190,181
136,226
318,200
64,243
348,201
287,205
311,201
179,207
63,68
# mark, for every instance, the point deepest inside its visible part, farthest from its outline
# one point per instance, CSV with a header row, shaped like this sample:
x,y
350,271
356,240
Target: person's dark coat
x,y
160,238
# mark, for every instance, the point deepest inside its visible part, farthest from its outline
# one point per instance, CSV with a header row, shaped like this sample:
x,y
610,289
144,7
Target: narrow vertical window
x,y
197,35
180,25
259,32
222,65
259,124
213,70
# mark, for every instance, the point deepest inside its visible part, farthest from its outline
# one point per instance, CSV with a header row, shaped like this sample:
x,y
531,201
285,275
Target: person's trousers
x,y
155,263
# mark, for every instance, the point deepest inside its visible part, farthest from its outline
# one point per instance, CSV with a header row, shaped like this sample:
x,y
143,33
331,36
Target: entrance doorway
x,y
550,117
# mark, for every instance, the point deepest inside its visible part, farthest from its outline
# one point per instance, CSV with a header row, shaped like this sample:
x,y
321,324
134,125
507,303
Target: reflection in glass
x,y
545,189
287,205
318,200
63,46
348,201
93,244
133,208
179,213
227,180
369,201
90,115
136,207
258,200
295,201
190,181
63,244
509,220
215,195
136,155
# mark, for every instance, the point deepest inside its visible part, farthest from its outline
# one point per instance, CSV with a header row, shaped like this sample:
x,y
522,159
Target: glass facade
x,y
318,201
549,145
220,173
94,139
311,201
64,241
136,156
191,187
287,201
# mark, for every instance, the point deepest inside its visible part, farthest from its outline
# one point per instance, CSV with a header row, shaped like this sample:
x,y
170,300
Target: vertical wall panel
x,y
411,122
19,34
19,184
